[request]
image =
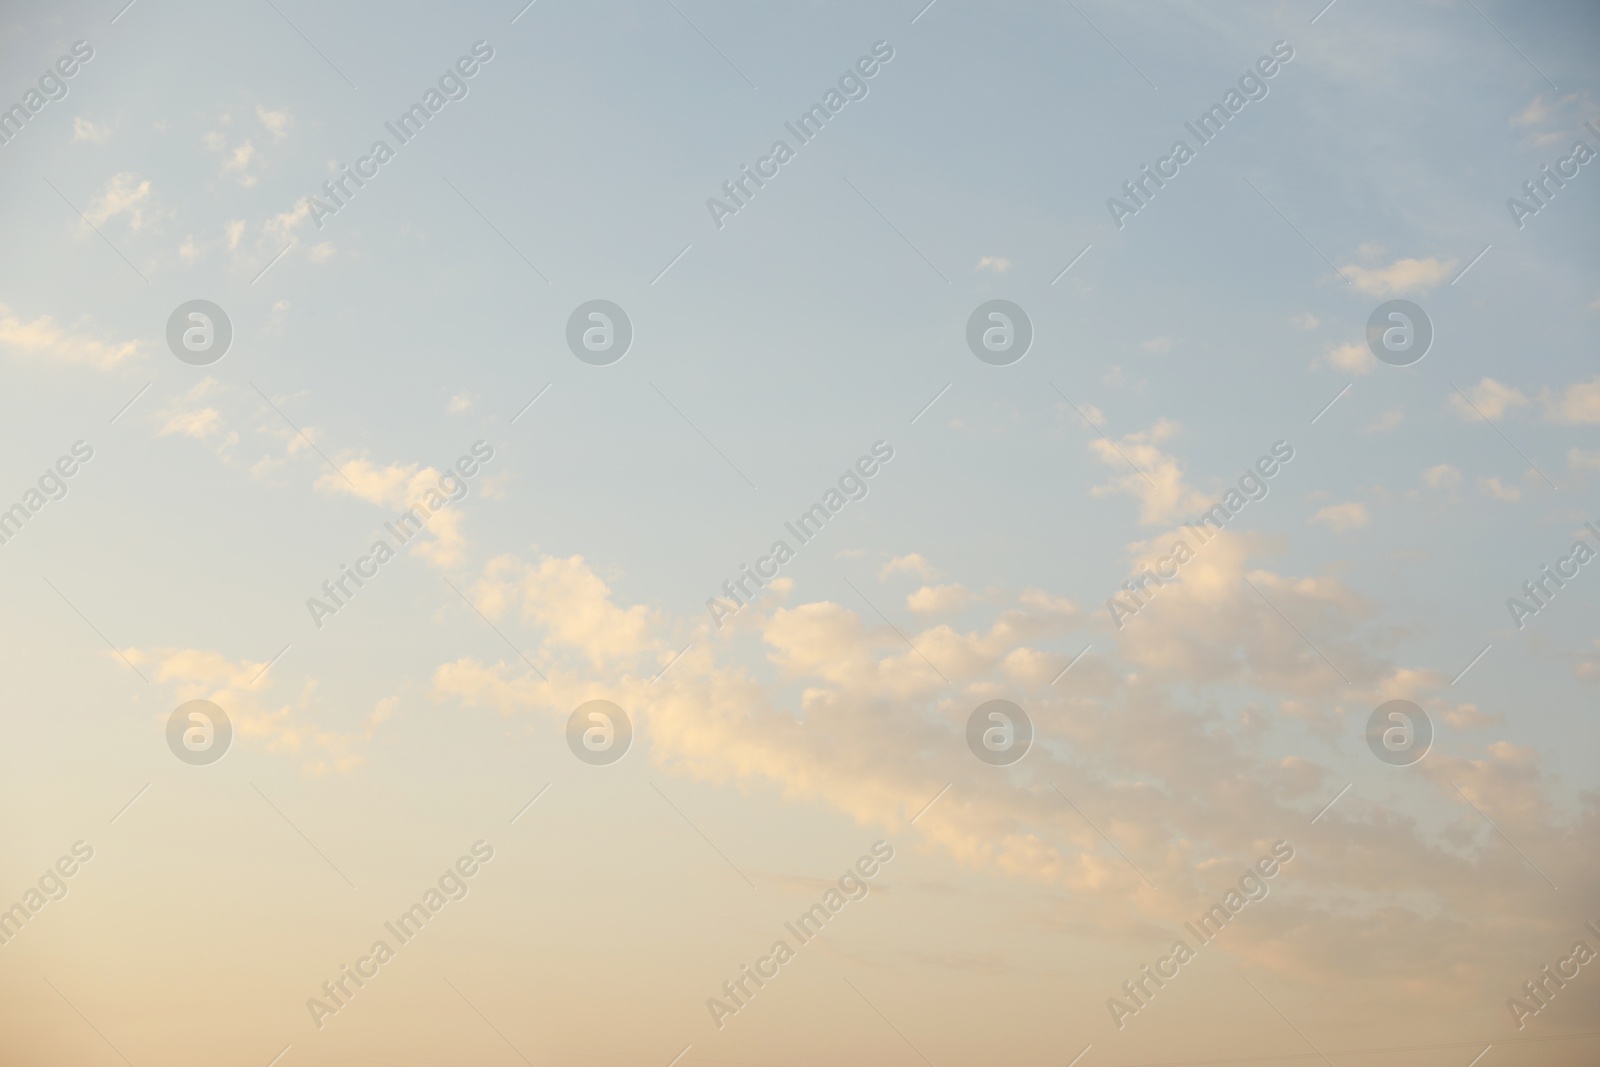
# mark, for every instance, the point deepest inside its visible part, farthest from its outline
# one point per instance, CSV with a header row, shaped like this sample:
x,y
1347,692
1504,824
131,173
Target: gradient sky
x,y
368,354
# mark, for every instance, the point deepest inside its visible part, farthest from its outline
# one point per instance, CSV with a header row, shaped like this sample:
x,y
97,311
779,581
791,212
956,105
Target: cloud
x,y
1350,357
125,194
1536,111
570,602
998,264
460,403
1443,476
1157,483
192,414
1400,277
1579,459
912,564
293,727
1158,345
238,164
276,122
939,599
1342,518
43,339
85,130
1578,403
1385,422
1493,487
1490,398
1306,321
1183,787
398,487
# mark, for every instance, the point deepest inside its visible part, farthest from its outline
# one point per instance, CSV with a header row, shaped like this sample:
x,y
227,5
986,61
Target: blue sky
x,y
370,353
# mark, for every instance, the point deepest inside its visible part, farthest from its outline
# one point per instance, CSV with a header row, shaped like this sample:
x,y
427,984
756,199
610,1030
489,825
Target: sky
x,y
1184,731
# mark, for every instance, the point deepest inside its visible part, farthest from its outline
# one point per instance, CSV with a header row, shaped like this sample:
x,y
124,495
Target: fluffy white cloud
x,y
1350,357
125,194
86,130
1444,476
1493,399
1577,403
1402,277
295,727
1157,483
939,599
1341,518
1494,487
43,339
